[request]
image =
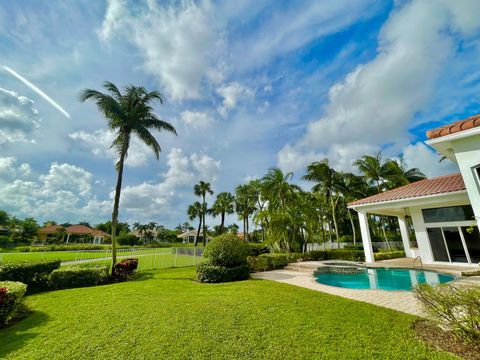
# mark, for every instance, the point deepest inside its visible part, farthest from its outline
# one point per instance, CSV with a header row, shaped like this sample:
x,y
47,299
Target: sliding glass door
x,y
458,244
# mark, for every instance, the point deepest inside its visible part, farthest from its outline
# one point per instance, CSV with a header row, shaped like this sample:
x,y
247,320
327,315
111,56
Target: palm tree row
x,y
289,217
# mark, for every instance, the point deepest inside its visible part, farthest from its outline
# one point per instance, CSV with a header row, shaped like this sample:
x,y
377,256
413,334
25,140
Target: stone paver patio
x,y
301,274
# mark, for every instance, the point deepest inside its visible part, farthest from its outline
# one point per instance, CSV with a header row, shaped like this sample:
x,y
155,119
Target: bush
x,y
81,275
225,260
226,250
32,273
257,249
11,294
384,255
266,262
63,247
453,308
216,274
125,268
128,239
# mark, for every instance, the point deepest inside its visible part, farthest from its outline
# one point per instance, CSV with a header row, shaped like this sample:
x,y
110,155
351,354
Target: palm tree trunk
x,y
204,227
223,222
247,234
244,228
116,204
335,222
353,228
198,231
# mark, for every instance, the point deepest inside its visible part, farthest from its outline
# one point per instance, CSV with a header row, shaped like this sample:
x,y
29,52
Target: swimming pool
x,y
383,278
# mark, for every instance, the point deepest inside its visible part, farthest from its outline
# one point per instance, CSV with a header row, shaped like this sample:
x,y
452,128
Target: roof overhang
x,y
444,144
400,207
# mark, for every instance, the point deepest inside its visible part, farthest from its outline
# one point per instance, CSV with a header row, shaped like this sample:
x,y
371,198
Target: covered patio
x,y
439,209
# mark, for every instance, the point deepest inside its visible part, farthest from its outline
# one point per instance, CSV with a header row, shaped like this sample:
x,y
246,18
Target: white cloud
x,y
375,103
177,43
232,94
149,199
196,119
18,118
424,158
63,193
98,143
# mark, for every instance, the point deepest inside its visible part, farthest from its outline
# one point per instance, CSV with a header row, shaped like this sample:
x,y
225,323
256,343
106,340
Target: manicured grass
x,y
165,315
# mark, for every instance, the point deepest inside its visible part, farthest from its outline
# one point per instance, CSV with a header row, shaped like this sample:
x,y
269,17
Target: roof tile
x,y
433,186
458,126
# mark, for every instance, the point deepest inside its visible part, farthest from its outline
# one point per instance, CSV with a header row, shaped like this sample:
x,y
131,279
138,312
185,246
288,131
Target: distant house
x,y
72,233
190,236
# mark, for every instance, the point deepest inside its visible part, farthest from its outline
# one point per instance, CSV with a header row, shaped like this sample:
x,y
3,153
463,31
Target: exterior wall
x,y
424,250
467,153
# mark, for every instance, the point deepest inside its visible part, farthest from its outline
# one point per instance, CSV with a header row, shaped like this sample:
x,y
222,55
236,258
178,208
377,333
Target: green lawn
x,y
165,315
148,258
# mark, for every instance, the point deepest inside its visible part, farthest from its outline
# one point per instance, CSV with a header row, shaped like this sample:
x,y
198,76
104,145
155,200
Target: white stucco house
x,y
444,210
190,236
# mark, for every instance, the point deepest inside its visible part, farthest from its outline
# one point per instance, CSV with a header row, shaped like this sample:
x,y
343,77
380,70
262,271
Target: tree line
x,y
288,217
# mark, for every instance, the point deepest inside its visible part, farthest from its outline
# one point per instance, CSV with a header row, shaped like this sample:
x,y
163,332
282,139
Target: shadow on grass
x,y
20,331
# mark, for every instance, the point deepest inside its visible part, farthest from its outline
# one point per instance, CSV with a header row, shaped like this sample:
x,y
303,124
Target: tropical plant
x,y
128,114
328,182
244,206
224,204
196,211
202,189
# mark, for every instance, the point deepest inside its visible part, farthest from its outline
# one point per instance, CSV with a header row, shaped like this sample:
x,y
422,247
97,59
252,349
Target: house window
x,y
447,214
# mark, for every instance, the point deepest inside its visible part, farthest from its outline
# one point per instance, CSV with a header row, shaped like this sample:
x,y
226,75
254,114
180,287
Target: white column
x,y
366,240
402,223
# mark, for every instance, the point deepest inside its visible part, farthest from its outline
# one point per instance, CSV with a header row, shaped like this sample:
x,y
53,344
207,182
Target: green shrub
x,y
225,260
266,262
384,255
11,294
127,239
345,238
32,273
256,249
73,276
349,255
63,247
226,250
454,308
207,273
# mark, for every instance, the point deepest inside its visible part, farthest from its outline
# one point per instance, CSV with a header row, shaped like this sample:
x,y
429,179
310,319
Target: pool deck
x,y
301,274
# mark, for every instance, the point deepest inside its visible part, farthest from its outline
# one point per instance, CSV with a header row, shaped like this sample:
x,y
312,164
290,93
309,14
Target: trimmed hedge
x,y
32,273
216,274
73,276
265,262
11,293
384,255
257,249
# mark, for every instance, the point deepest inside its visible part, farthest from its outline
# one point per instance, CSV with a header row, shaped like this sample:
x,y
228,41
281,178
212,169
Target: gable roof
x,y
458,126
50,229
433,186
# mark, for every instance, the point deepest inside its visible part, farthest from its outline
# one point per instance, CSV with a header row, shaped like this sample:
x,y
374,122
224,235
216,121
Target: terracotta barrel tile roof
x,y
51,229
433,186
455,127
96,232
78,229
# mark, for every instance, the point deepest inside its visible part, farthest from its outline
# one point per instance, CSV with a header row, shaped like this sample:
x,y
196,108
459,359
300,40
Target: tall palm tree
x,y
244,206
376,172
202,189
277,187
127,114
196,211
328,181
224,204
397,173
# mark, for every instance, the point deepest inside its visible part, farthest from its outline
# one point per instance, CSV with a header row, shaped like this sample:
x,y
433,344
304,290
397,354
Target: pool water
x,y
384,279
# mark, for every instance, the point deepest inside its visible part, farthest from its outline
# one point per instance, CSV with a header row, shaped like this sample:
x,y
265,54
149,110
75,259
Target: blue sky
x,y
249,85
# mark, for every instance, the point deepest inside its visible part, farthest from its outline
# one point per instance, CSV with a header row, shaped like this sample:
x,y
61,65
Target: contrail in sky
x,y
37,90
